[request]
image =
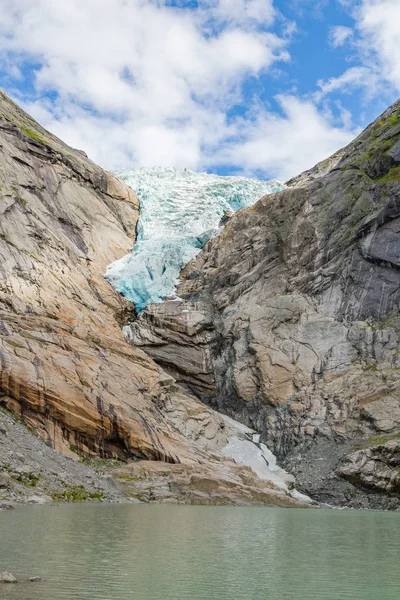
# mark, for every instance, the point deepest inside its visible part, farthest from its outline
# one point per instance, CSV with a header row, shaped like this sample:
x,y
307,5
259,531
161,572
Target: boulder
x,y
5,480
7,577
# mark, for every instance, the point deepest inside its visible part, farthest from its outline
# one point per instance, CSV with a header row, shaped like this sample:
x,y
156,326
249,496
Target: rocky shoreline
x,y
31,472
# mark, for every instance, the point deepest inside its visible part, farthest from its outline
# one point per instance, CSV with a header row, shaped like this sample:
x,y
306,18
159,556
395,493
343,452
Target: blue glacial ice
x,y
179,211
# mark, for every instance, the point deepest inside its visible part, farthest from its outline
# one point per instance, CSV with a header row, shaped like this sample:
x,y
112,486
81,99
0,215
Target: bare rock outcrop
x,y
150,481
289,319
65,367
377,467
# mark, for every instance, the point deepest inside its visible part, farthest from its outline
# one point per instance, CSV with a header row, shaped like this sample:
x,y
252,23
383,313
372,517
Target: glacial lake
x,y
142,552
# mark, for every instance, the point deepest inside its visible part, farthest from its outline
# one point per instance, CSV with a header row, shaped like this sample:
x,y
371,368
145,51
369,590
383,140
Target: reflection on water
x,y
116,552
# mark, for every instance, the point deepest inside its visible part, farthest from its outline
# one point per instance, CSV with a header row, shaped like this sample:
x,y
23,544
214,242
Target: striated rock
x,y
377,468
150,481
65,367
289,319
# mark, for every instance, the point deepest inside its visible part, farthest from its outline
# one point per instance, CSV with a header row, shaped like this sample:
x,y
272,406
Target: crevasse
x,y
179,211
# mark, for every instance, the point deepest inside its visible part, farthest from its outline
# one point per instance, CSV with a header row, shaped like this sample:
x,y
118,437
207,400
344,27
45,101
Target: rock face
x,y
64,364
65,367
377,468
150,481
289,319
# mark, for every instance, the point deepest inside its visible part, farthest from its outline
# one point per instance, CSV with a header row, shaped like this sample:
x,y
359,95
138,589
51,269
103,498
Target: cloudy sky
x,y
258,87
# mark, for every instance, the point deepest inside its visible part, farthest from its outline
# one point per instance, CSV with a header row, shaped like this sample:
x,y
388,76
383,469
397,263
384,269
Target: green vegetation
x,y
391,121
376,440
30,480
32,134
371,368
76,493
392,175
133,495
389,323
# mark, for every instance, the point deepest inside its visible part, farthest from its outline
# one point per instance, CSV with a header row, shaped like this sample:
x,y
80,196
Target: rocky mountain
x,y
289,322
65,368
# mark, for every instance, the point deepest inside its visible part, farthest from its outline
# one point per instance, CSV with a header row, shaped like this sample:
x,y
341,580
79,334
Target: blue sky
x,y
256,87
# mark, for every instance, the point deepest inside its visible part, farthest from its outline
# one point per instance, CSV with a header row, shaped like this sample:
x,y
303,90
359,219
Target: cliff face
x,y
65,367
289,321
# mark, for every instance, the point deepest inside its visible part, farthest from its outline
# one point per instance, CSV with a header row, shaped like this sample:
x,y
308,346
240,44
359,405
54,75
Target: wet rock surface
x,y
289,319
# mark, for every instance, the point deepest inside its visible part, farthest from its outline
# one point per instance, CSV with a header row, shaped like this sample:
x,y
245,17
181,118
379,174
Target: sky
x,y
263,88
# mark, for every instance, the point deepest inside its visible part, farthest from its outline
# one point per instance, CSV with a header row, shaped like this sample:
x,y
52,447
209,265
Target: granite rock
x,y
289,319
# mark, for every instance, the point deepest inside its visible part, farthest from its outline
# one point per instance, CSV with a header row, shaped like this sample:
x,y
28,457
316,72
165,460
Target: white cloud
x,y
379,26
288,143
355,77
339,35
242,11
136,82
375,47
139,82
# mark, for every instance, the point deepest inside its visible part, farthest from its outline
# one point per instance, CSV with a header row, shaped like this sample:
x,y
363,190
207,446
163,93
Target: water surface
x,y
116,552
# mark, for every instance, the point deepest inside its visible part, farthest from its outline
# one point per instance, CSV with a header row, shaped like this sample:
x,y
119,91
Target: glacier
x,y
179,211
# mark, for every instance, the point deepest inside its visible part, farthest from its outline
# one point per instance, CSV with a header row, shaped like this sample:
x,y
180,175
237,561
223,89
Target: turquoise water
x,y
179,211
116,552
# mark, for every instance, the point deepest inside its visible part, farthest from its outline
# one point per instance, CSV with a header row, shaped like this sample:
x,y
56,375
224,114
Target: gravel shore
x,y
33,473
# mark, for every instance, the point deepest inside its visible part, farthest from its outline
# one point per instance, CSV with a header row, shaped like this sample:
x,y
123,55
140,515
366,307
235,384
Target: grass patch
x,y
76,493
136,495
392,175
30,480
32,134
389,323
95,462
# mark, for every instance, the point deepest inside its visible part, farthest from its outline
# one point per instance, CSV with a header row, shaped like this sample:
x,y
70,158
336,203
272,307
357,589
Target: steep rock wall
x,y
289,319
65,367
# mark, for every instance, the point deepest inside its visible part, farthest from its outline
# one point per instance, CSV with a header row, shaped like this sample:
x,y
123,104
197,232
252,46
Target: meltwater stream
x,y
179,211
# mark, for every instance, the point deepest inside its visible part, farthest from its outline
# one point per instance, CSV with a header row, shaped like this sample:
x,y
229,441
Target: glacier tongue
x,y
179,211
